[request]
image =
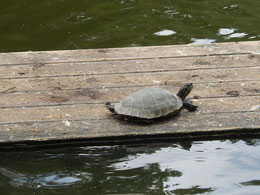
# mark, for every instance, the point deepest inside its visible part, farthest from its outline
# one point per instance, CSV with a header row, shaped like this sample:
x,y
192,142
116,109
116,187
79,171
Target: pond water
x,y
76,24
199,167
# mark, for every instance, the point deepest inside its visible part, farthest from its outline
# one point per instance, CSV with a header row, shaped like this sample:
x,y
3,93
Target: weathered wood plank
x,y
98,111
128,53
132,79
80,129
60,95
130,66
101,95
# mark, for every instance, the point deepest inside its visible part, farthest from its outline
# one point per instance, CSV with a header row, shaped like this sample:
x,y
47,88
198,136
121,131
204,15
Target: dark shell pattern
x,y
149,103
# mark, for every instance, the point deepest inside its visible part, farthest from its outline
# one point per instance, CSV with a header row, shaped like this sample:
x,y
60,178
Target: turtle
x,y
152,103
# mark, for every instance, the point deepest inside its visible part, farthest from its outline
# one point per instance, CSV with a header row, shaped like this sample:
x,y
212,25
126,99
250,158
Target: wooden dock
x,y
57,97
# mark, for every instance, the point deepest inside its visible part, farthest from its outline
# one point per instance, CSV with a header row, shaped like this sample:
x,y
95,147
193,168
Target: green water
x,y
209,167
76,24
200,167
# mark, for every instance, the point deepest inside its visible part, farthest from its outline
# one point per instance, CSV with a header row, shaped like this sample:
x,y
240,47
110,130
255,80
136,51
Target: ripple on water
x,y
215,167
211,166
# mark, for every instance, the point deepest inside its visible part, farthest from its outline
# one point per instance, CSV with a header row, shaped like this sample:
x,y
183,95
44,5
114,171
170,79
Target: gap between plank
x,y
130,59
130,72
128,86
103,102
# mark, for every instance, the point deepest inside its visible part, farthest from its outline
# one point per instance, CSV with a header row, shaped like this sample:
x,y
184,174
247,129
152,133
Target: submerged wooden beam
x,y
58,96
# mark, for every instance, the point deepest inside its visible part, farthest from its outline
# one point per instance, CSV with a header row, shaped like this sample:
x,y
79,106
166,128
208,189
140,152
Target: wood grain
x,y
60,95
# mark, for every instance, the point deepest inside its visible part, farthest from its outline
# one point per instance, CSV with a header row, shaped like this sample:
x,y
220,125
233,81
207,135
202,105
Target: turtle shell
x,y
149,103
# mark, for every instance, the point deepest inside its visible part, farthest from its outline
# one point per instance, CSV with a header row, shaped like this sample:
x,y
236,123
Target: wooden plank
x,y
65,56
100,95
98,111
60,95
132,79
80,129
128,66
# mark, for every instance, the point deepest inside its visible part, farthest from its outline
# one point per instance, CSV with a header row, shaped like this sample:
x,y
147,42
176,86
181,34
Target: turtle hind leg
x,y
189,106
110,107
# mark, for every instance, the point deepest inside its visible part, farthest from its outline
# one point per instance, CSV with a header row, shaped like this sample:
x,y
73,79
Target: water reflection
x,y
226,31
165,33
236,35
218,167
42,180
27,25
202,41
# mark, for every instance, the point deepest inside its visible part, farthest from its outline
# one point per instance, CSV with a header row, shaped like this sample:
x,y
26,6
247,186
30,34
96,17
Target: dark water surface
x,y
199,167
76,24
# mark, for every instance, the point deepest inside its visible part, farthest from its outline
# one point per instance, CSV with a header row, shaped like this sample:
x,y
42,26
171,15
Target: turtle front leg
x,y
110,107
189,106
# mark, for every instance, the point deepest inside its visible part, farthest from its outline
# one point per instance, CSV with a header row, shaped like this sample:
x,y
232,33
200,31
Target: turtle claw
x,y
189,106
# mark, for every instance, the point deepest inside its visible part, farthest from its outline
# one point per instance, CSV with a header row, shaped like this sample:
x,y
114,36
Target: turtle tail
x,y
110,107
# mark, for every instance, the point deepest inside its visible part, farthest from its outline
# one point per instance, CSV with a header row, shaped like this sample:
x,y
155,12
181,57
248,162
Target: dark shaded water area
x,y
77,24
199,167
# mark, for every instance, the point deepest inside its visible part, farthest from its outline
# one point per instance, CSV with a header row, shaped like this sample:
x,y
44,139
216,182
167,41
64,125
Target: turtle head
x,y
185,90
110,107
